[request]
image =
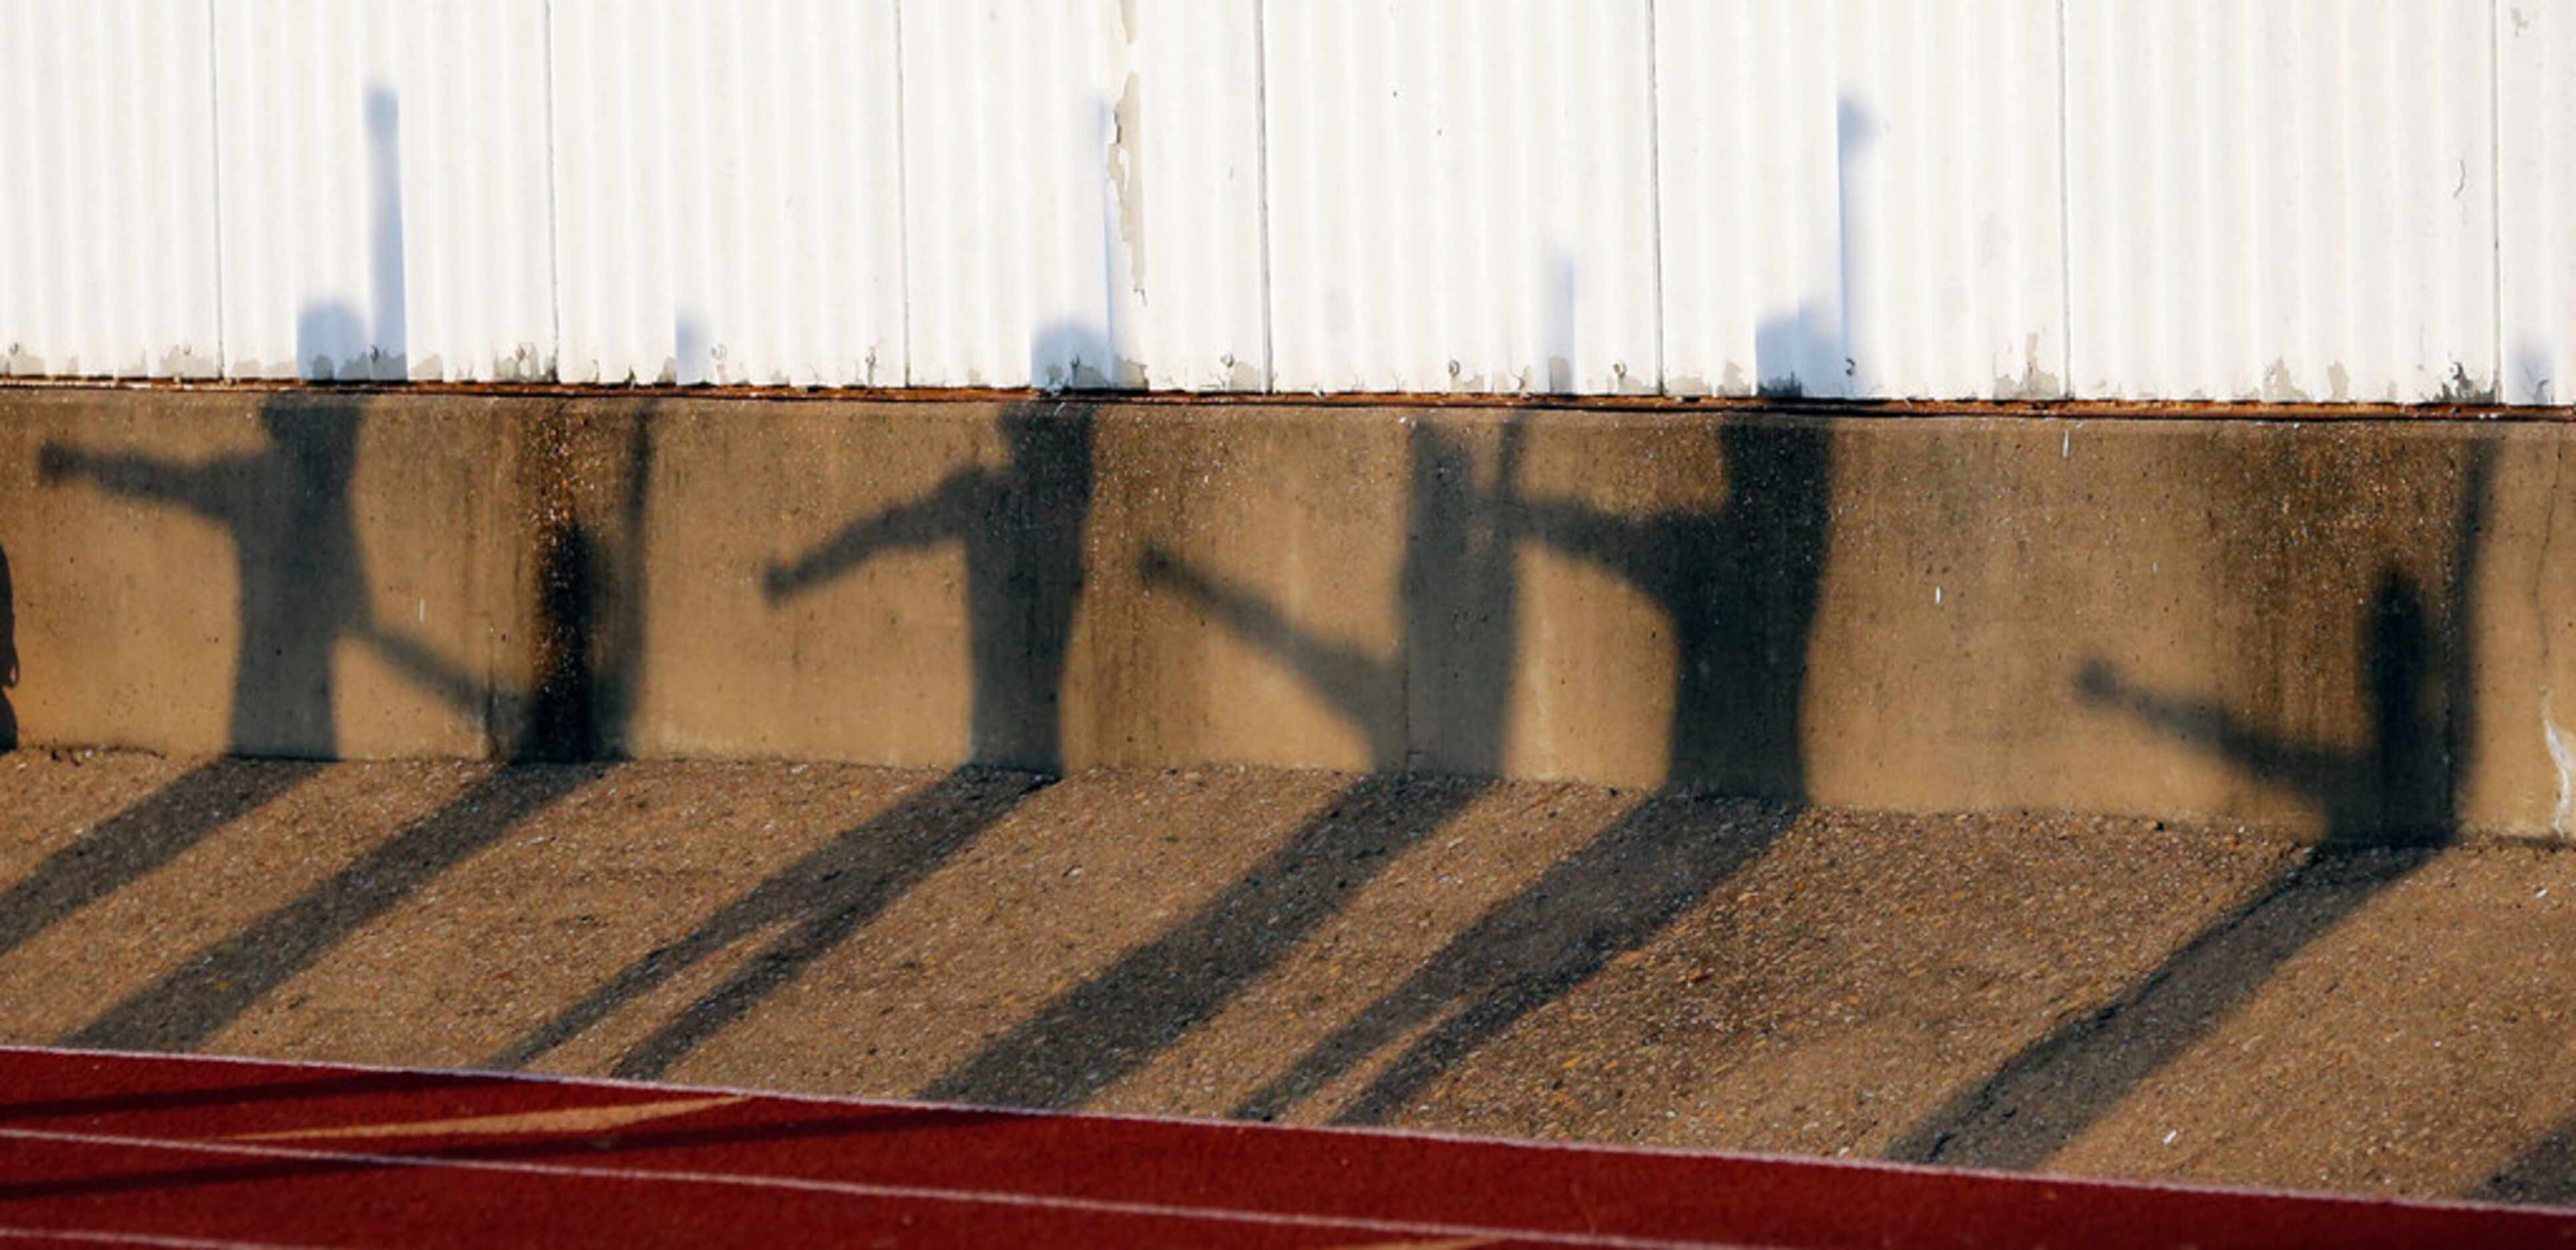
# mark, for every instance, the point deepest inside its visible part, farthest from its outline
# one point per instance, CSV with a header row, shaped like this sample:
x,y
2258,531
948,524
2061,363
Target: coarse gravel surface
x,y
2031,990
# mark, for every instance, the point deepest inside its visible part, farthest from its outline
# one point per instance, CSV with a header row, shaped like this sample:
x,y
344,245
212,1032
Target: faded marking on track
x,y
573,1120
1430,1231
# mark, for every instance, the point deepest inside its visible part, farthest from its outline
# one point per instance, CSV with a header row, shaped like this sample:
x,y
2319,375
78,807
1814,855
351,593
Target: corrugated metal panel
x,y
384,190
2536,198
729,191
2281,200
1860,198
108,212
1081,193
2225,199
1185,178
1462,195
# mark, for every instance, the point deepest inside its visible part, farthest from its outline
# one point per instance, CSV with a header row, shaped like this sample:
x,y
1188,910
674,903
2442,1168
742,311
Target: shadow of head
x,y
384,117
316,439
1854,128
1054,438
327,334
1797,351
1070,356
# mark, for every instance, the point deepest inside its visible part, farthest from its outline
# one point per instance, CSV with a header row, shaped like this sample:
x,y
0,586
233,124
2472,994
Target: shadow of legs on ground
x,y
2062,1084
2544,1173
826,896
125,847
1458,601
1115,1023
201,998
2387,804
1608,898
196,1001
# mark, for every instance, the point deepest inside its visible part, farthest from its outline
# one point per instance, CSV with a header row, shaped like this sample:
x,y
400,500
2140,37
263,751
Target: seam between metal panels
x,y
2495,189
1655,177
1261,178
215,184
554,216
2065,222
902,204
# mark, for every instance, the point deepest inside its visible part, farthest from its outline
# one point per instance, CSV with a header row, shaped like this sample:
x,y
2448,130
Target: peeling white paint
x,y
2562,753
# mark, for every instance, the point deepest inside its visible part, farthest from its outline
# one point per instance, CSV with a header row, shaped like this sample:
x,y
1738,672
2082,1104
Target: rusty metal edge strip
x,y
2062,409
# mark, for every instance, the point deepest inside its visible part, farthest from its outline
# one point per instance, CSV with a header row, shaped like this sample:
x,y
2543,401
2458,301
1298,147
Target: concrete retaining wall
x,y
2354,626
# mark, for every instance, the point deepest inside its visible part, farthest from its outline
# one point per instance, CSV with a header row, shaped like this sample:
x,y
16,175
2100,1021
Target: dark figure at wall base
x,y
8,657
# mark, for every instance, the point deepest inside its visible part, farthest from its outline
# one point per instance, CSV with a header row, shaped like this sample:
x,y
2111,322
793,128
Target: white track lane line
x,y
863,1189
111,1237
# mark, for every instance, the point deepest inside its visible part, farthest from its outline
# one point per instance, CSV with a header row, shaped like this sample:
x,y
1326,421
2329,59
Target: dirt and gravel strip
x,y
2029,990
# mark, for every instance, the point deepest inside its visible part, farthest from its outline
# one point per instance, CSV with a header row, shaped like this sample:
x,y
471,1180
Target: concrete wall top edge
x,y
1395,403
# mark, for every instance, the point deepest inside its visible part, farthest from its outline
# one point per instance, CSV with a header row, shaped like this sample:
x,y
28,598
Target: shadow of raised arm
x,y
198,488
2314,772
439,676
1627,546
945,513
1347,678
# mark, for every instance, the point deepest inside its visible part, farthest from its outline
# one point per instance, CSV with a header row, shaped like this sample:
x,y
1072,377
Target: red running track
x,y
160,1150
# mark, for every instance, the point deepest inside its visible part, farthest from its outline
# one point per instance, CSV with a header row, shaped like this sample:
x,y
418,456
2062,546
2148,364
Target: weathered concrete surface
x,y
2113,995
2354,628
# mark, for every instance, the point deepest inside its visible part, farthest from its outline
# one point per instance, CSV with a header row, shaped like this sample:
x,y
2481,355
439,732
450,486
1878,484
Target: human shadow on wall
x,y
1458,601
2388,806
300,589
301,586
1021,524
303,591
587,639
390,346
1739,586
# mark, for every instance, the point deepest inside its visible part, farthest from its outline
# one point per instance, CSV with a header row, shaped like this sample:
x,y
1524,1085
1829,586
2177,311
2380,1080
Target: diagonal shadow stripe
x,y
829,894
2070,1079
2545,1172
2399,790
128,846
1610,897
1109,1026
199,999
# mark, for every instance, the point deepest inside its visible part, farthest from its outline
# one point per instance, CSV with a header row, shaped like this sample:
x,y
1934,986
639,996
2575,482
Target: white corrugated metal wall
x,y
2268,199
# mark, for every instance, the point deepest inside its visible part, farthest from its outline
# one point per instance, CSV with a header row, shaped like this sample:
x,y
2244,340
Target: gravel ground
x,y
2024,990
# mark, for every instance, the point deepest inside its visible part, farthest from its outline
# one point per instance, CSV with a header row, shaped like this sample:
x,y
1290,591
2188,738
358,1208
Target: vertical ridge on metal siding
x,y
2223,199
727,178
1857,201
612,239
2537,199
1005,212
1082,192
111,264
1462,196
383,190
1186,193
2288,200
